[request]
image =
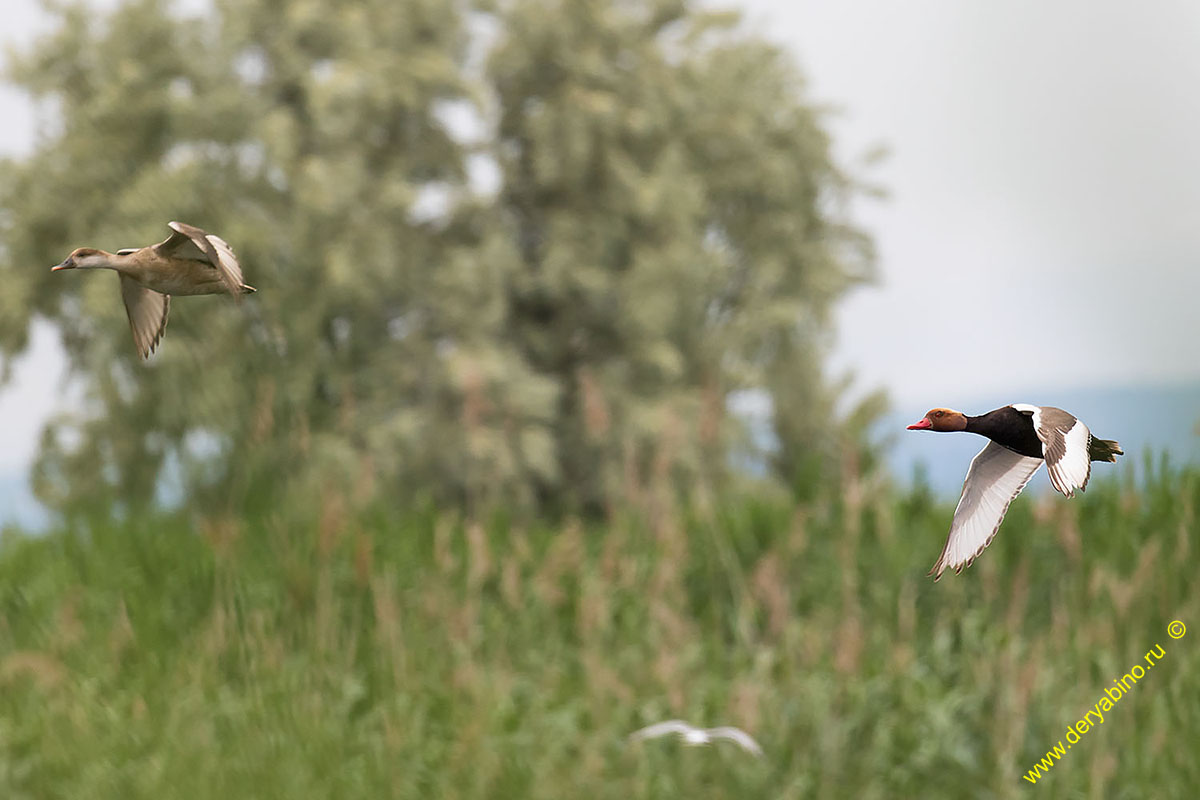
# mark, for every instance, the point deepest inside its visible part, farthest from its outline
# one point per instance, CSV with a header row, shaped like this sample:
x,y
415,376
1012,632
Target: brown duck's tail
x,y
1104,449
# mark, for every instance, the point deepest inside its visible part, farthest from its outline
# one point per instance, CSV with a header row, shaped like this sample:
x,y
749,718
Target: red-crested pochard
x,y
189,261
1023,437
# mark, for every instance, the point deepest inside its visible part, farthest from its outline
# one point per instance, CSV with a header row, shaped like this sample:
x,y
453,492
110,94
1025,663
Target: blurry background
x,y
1038,242
575,390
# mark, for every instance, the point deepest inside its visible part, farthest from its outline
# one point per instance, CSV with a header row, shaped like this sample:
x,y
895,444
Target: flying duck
x,y
1023,437
189,261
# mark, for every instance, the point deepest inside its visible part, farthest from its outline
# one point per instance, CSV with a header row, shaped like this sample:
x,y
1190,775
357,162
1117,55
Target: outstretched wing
x,y
1065,443
738,735
188,241
661,729
996,476
147,310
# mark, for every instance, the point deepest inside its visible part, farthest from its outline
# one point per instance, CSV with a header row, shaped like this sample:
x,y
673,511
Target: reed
x,y
365,651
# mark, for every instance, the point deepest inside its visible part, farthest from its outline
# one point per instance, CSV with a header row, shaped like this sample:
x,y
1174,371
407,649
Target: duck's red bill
x,y
920,425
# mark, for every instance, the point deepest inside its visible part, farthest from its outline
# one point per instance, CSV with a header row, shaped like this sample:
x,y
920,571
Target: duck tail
x,y
1104,449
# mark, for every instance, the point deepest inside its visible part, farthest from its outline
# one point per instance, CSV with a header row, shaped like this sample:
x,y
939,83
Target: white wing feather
x,y
1071,472
996,476
737,735
661,729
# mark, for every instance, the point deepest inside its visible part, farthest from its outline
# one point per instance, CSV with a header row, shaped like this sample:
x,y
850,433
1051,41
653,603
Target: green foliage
x,y
416,654
666,229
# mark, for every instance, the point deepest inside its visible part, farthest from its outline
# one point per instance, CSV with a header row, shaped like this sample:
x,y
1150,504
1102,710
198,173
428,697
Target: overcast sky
x,y
1044,224
1043,229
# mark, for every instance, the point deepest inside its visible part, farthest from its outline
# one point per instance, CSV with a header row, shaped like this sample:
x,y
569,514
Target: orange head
x,y
940,419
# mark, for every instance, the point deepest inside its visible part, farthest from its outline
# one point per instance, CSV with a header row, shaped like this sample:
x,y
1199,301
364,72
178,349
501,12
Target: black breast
x,y
1010,428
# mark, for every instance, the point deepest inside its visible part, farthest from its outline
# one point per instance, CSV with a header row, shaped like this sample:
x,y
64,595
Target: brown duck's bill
x,y
64,265
920,424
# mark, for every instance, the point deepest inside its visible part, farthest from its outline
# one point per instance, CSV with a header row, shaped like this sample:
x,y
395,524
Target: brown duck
x,y
189,261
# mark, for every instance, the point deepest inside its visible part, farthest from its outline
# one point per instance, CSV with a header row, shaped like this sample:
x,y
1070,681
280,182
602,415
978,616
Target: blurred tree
x,y
668,227
679,235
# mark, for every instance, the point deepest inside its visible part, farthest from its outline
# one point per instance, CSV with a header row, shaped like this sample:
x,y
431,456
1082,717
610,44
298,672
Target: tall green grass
x,y
403,653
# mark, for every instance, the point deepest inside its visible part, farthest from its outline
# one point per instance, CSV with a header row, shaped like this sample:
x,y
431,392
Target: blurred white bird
x,y
697,736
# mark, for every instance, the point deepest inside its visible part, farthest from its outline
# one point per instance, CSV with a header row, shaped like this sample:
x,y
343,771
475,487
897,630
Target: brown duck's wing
x,y
181,244
188,241
227,263
147,310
